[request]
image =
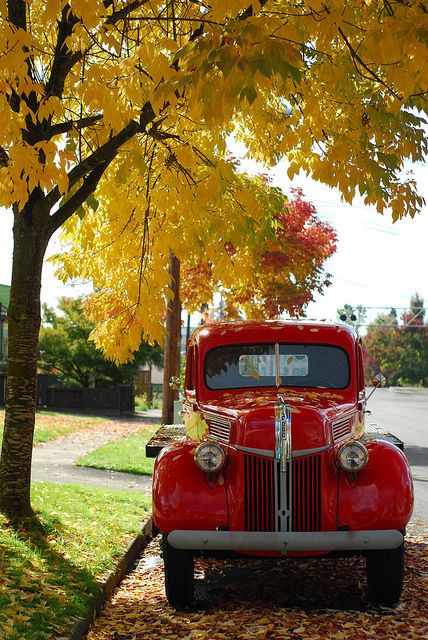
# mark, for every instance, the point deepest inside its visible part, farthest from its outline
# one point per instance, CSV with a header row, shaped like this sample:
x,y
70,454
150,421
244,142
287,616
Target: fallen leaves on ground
x,y
263,599
75,428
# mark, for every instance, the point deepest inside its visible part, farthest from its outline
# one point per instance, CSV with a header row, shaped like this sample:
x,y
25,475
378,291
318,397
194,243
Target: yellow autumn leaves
x,y
337,89
257,600
195,426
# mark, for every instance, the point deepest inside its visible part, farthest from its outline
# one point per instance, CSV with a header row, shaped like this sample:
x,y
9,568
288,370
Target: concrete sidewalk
x,y
54,461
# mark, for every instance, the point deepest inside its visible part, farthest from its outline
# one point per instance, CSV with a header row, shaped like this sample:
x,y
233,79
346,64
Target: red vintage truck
x,y
276,458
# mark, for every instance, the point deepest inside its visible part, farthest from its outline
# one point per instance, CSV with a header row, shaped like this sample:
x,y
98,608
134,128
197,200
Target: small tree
x,y
382,349
415,317
65,348
399,350
272,272
414,359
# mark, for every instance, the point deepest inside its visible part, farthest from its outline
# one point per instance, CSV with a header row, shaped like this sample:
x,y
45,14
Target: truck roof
x,y
253,331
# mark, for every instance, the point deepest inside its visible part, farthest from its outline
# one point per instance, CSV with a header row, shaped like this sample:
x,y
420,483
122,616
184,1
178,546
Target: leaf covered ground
x,y
258,599
51,425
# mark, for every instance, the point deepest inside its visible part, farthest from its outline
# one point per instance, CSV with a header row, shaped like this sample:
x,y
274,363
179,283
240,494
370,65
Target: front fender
x,y
184,497
381,495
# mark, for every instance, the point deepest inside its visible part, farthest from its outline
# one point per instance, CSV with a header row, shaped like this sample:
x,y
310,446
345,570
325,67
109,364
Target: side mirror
x,y
174,383
378,382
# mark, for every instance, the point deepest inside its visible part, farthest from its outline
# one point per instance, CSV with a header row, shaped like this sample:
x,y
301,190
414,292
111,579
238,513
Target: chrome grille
x,y
276,501
219,427
259,474
307,493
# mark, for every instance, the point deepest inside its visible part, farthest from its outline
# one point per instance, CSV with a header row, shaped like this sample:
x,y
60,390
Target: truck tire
x,y
385,574
179,575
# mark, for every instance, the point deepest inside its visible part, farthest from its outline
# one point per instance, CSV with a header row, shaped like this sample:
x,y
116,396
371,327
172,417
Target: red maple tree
x,y
288,268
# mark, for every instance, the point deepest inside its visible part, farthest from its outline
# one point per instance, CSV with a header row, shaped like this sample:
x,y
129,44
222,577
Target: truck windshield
x,y
269,365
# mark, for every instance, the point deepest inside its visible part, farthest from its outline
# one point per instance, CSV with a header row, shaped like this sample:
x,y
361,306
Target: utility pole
x,y
173,322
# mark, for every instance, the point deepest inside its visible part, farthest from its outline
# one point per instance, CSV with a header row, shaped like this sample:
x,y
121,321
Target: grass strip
x,y
127,454
51,425
49,570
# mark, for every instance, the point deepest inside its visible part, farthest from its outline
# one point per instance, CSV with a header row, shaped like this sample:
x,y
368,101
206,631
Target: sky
x,y
377,264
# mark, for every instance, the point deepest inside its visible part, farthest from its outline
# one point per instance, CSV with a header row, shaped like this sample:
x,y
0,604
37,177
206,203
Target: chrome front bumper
x,y
283,542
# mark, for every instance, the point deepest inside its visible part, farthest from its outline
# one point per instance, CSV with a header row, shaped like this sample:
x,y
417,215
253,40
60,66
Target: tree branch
x,y
122,14
16,13
64,59
374,75
4,158
106,152
77,199
92,168
63,127
103,154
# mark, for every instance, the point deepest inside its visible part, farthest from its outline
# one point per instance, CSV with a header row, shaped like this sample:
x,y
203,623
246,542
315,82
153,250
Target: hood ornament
x,y
283,449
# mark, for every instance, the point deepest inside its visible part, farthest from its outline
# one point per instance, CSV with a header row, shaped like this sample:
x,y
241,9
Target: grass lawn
x,y
141,403
51,425
127,454
49,572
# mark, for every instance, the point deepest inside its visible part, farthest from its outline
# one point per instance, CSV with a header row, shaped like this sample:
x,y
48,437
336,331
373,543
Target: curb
x,y
404,390
109,584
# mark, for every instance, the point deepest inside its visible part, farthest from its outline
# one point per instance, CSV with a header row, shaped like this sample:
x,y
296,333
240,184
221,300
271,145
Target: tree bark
x,y
30,242
171,342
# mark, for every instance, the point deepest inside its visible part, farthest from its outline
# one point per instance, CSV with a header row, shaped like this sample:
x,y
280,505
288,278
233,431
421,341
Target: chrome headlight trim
x,y
210,457
352,456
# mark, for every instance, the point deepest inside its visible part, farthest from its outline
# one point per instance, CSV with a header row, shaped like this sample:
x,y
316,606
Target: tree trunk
x,y
171,342
30,242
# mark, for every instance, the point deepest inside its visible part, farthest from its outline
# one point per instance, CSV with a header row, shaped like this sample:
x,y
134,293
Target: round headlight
x,y
353,456
209,457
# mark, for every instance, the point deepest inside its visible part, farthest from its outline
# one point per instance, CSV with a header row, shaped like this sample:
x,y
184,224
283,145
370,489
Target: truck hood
x,y
252,417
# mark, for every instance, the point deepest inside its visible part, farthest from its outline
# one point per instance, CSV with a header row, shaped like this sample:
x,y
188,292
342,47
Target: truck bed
x,y
166,434
375,432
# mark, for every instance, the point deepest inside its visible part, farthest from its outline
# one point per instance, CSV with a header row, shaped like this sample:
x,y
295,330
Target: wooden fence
x,y
118,399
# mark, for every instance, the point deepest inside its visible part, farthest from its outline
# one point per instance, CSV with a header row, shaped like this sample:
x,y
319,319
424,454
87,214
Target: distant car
x,y
277,460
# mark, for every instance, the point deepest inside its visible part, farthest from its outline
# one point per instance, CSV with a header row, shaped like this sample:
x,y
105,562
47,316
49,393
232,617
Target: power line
x,y
413,321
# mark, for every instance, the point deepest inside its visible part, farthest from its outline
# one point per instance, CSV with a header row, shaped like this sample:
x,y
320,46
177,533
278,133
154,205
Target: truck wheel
x,y
385,574
179,574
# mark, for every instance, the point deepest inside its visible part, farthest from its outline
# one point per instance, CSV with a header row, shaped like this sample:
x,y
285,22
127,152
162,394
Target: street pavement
x,y
404,412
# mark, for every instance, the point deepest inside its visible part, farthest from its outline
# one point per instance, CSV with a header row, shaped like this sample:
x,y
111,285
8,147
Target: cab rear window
x,y
276,364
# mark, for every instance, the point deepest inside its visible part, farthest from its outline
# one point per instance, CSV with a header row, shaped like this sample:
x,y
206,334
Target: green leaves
x,y
398,346
249,93
92,202
64,347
